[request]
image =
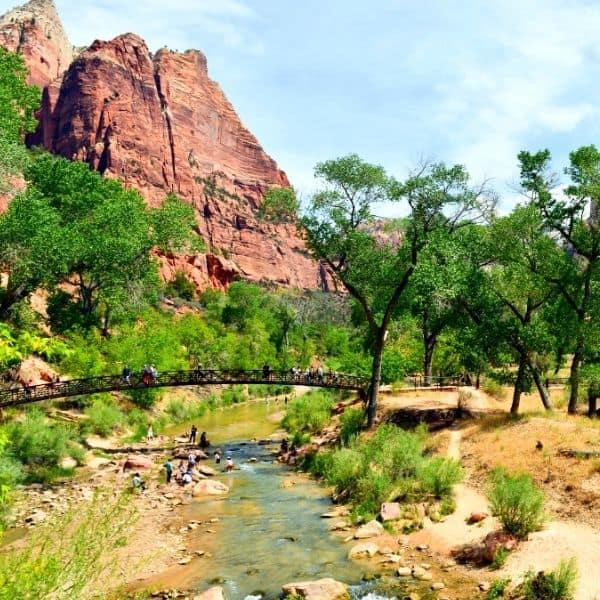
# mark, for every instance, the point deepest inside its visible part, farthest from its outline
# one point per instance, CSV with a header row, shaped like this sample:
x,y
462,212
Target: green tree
x,y
107,235
280,205
31,247
18,103
376,270
572,214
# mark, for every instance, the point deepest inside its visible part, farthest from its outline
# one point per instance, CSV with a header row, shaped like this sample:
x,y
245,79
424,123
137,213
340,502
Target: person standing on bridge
x,y
126,374
266,370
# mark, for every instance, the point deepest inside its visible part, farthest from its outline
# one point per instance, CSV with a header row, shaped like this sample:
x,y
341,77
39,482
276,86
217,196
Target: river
x,y
269,531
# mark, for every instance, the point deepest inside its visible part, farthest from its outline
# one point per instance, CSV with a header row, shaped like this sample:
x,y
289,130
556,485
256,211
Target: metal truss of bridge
x,y
116,383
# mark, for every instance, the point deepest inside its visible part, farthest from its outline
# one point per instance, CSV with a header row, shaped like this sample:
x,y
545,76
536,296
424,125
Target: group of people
x,y
149,374
203,443
311,375
184,473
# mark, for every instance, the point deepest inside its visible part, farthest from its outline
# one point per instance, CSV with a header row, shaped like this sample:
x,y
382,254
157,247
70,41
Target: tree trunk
x,y
592,398
541,389
514,408
429,342
375,377
574,375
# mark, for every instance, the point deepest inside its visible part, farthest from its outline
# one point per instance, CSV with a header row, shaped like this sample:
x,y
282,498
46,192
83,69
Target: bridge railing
x,y
110,383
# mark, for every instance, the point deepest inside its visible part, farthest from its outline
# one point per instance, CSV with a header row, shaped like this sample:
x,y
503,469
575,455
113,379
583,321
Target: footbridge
x,y
116,383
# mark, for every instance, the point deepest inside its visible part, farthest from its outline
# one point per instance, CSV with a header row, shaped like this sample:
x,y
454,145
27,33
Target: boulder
x,y
209,487
370,529
35,372
137,462
390,511
213,593
476,517
68,462
321,589
206,470
495,540
363,549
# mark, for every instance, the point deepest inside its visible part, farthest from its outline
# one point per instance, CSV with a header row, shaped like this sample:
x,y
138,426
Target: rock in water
x,y
213,593
209,487
321,589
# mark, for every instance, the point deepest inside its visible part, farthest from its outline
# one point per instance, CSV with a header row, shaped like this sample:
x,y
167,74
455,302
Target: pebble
x,y
404,571
484,586
438,586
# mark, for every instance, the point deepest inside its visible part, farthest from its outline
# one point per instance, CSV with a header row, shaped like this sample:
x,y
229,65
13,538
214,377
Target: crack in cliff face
x,y
164,108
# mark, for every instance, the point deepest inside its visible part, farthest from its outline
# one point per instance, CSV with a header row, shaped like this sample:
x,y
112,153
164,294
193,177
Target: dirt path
x,y
543,550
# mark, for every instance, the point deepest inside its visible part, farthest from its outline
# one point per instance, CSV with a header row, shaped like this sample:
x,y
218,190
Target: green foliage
x,y
500,557
36,443
308,413
439,475
493,388
280,205
554,585
498,588
517,502
180,412
351,423
18,101
104,417
181,287
64,558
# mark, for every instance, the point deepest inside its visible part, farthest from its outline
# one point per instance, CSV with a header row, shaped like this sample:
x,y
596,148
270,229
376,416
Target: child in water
x,y
229,464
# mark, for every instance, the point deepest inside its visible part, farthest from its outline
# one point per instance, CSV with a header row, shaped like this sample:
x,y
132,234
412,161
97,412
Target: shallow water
x,y
267,535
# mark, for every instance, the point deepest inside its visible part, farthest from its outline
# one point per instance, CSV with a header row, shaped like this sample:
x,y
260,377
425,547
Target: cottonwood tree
x,y
376,269
572,214
519,248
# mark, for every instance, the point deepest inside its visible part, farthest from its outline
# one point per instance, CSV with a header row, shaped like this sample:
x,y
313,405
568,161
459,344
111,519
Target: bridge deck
x,y
112,383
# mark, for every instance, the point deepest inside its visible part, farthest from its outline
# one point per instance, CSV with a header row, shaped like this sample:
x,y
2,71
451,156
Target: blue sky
x,y
395,81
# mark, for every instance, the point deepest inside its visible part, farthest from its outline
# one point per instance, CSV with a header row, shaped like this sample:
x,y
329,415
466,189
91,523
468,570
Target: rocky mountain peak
x,y
36,31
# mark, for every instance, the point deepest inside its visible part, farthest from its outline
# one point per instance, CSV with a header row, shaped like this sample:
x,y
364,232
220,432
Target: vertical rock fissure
x,y
165,112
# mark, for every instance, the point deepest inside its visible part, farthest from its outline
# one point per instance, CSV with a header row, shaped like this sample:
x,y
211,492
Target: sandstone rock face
x,y
35,31
322,589
161,125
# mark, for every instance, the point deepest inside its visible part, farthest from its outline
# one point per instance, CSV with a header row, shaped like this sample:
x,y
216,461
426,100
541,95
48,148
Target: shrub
x,y
500,557
517,502
439,475
498,588
344,469
103,417
181,287
554,585
492,388
351,423
36,443
179,411
308,413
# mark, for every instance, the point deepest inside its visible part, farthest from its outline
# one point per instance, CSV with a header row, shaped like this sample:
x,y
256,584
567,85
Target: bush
x,y
351,423
179,411
308,413
517,502
498,588
103,417
492,388
344,469
554,585
439,475
181,287
36,443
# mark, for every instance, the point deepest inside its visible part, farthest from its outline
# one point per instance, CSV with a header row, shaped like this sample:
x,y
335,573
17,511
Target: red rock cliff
x,y
161,125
